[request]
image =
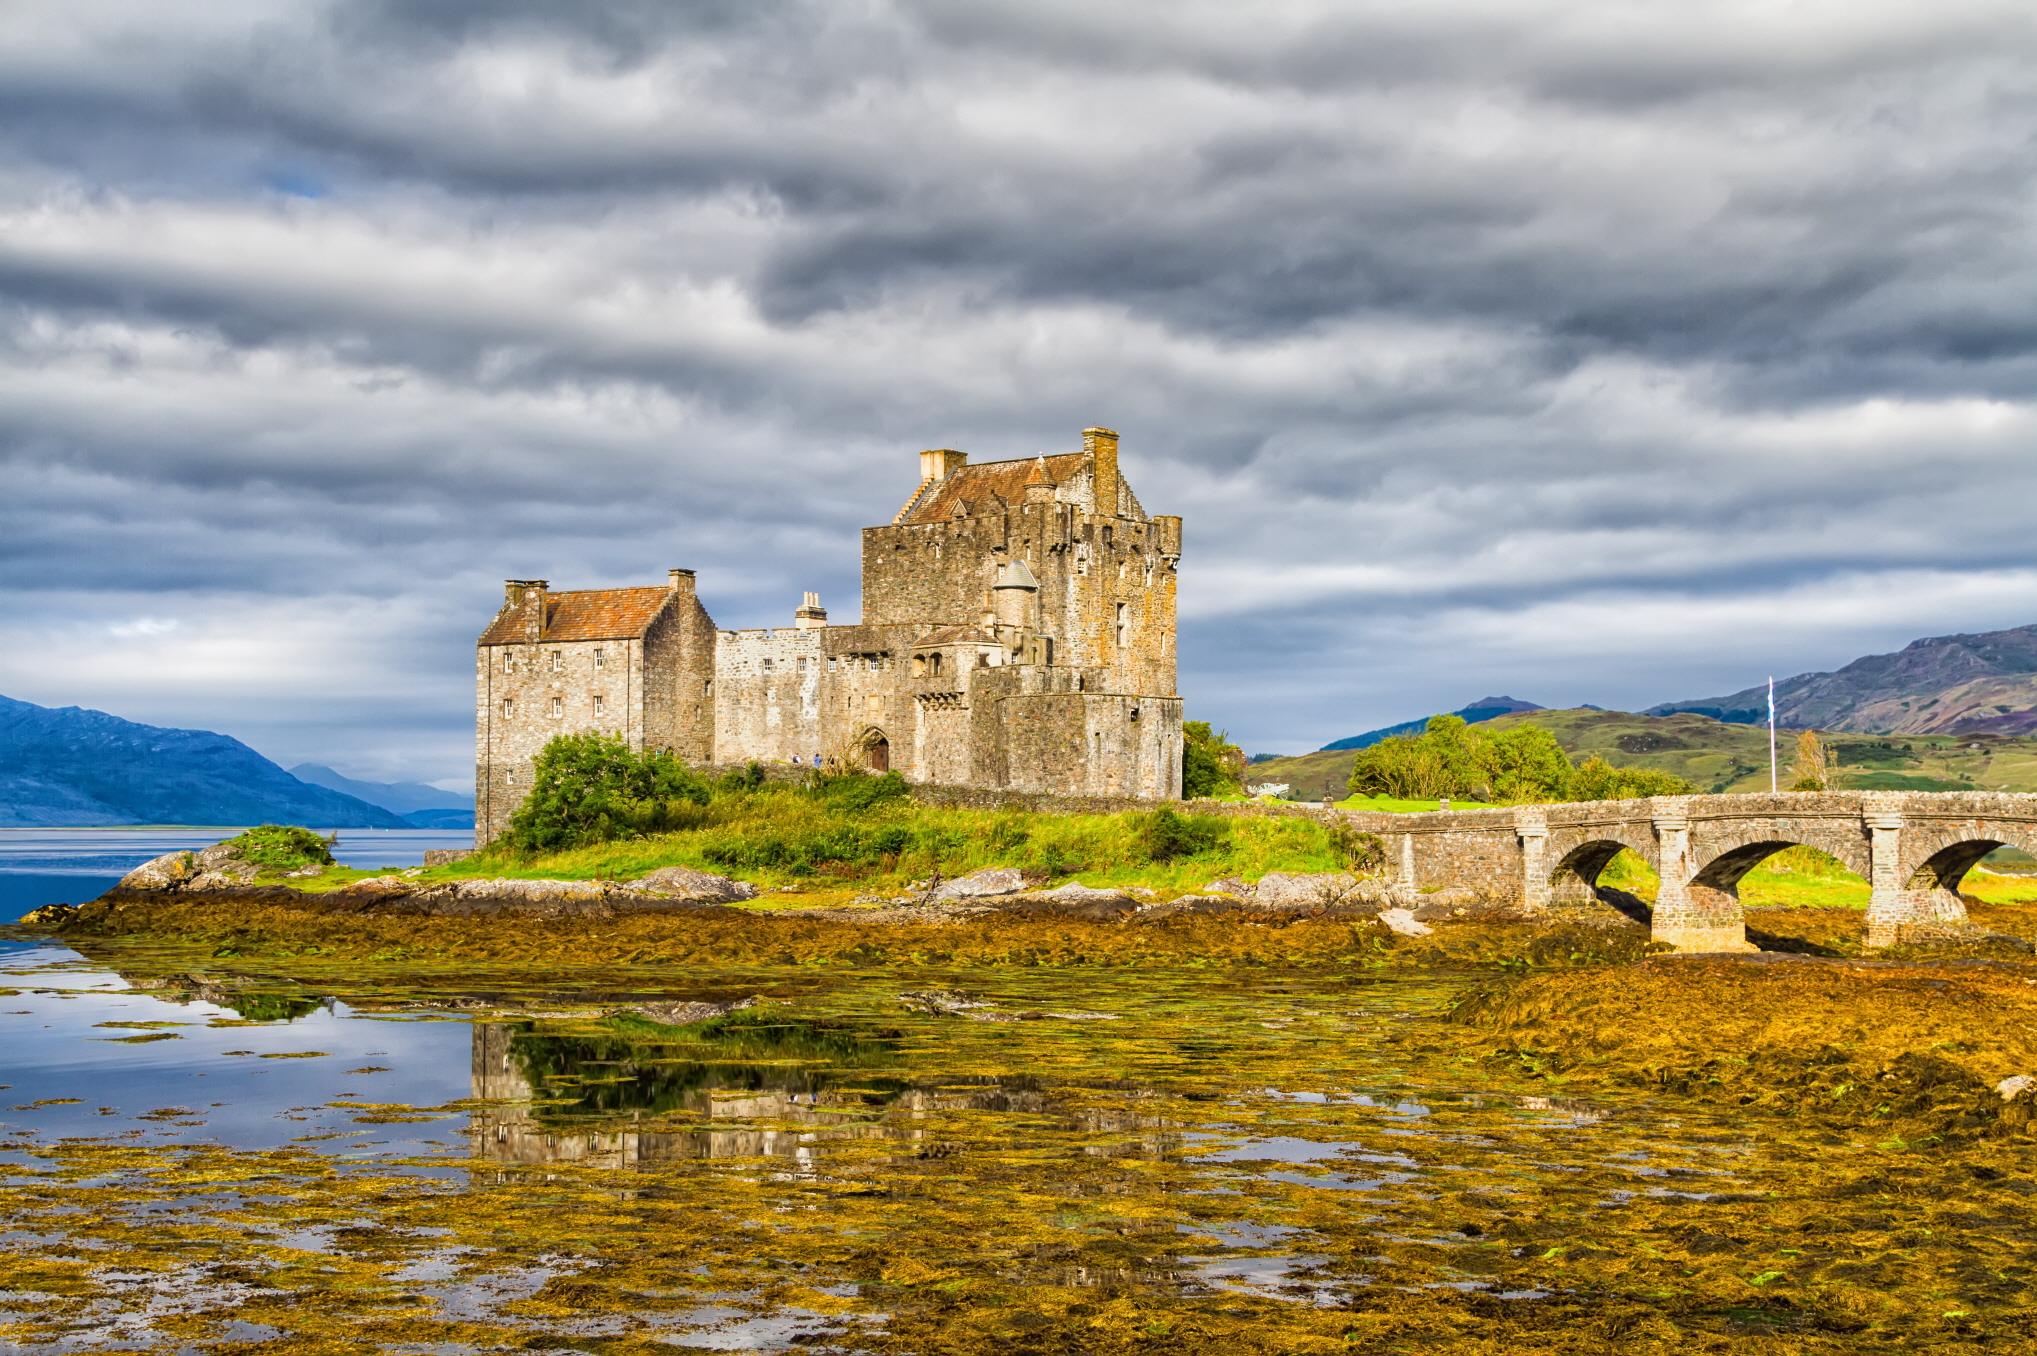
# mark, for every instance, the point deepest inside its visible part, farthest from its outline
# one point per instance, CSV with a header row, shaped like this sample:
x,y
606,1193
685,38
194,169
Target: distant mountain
x,y
65,766
460,817
1484,709
403,798
1979,684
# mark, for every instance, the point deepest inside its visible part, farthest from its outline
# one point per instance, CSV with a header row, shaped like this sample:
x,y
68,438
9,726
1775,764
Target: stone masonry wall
x,y
767,695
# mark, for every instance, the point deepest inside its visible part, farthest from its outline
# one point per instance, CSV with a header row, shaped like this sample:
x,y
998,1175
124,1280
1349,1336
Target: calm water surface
x,y
70,866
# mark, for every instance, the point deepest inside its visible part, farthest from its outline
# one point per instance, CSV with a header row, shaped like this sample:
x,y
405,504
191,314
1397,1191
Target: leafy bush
x,y
1514,765
1364,853
282,847
1211,765
1166,835
737,780
593,788
1596,779
853,792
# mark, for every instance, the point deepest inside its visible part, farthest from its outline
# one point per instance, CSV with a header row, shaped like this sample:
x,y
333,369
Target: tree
x,y
1596,779
593,788
1813,765
1211,765
1522,764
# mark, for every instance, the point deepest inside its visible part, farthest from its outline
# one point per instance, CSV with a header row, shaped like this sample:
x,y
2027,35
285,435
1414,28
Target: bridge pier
x,y
1689,915
1900,908
1537,891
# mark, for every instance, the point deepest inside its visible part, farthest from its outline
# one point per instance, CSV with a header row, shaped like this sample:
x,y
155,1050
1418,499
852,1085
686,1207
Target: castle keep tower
x,y
1017,632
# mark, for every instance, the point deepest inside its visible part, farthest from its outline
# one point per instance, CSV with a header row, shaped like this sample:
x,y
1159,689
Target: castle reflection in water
x,y
546,1099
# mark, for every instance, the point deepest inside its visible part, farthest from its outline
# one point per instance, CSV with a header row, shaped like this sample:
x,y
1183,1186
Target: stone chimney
x,y
938,463
679,581
517,592
811,616
1100,446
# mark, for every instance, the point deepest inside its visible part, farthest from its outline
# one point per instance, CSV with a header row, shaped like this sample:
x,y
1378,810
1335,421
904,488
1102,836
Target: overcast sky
x,y
1584,352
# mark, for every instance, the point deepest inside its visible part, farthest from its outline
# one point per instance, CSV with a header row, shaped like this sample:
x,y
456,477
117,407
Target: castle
x,y
1017,633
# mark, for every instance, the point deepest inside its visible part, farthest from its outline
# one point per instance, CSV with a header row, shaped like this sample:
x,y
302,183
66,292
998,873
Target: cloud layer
x,y
1588,351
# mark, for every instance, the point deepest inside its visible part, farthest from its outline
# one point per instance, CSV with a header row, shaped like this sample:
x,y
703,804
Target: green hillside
x,y
1720,757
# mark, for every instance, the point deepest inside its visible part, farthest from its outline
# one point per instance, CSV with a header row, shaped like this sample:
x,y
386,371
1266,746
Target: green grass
x,y
781,836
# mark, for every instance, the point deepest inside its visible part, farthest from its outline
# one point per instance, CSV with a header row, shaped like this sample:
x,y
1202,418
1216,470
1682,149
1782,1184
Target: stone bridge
x,y
1912,847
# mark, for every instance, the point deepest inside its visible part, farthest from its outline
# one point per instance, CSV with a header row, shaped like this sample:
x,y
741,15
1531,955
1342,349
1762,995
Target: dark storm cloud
x,y
1478,342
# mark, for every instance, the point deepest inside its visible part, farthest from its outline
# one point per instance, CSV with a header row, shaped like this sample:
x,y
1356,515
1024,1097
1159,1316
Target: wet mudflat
x,y
1276,1156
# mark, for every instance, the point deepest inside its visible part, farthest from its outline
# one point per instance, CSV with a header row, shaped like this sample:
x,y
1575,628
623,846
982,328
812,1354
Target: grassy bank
x,y
782,837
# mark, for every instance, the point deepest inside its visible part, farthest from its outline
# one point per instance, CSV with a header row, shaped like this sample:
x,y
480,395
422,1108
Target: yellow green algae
x,y
1308,1136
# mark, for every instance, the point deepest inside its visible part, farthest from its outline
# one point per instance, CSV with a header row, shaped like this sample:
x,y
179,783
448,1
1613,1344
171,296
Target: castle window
x,y
508,661
508,707
983,659
555,661
1135,712
600,660
767,666
919,666
873,663
707,688
1106,536
1124,626
558,706
934,663
597,706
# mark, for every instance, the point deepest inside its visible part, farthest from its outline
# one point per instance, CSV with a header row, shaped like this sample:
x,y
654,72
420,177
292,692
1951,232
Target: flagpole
x,y
1773,787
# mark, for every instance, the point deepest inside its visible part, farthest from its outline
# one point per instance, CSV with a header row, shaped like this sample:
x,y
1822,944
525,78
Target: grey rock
x,y
1278,890
1074,900
2015,1086
1404,922
996,880
698,887
166,872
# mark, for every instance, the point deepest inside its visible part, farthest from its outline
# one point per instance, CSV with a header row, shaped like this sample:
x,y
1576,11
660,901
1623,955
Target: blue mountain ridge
x,y
421,805
74,767
1484,709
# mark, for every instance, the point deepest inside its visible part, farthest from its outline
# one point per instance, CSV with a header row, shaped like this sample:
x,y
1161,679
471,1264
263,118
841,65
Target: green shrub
x,y
737,780
856,791
1165,834
282,847
1363,853
1211,765
1515,765
593,788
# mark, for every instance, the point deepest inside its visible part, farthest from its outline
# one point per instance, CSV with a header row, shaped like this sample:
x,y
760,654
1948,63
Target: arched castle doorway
x,y
877,752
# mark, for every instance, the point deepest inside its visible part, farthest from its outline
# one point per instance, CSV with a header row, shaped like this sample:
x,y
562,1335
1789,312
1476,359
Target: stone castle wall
x,y
767,695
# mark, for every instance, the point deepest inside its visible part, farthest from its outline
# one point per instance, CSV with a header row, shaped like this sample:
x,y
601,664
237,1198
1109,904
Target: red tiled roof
x,y
974,485
587,614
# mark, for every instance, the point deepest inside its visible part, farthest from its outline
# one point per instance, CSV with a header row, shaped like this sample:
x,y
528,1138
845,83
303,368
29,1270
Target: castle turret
x,y
1014,595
